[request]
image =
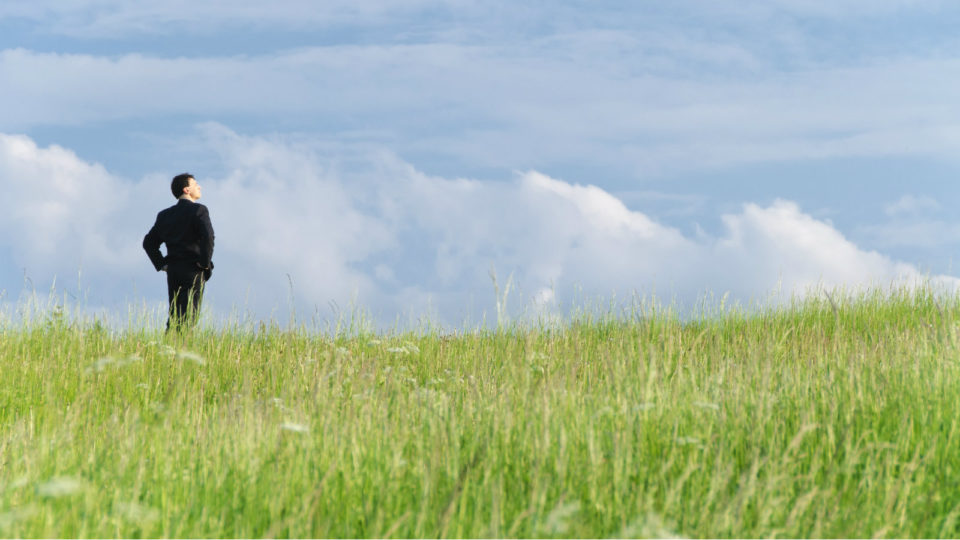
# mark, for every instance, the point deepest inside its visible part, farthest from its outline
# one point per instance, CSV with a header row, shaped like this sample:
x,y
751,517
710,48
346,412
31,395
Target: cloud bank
x,y
614,97
298,226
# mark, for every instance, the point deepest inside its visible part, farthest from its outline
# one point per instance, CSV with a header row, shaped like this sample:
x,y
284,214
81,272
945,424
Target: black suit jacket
x,y
186,230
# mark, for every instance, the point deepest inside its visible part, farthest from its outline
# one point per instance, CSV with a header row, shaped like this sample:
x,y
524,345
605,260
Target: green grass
x,y
810,420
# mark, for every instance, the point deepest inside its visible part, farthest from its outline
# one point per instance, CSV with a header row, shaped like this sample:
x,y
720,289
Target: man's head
x,y
185,185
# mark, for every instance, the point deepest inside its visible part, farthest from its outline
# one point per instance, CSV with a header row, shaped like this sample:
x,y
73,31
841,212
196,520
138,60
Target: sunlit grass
x,y
828,417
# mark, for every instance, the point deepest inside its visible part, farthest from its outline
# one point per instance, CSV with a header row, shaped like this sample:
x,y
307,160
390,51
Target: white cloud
x,y
489,106
918,233
780,246
399,242
62,213
912,205
913,222
280,215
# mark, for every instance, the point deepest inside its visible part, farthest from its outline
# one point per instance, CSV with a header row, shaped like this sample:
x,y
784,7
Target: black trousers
x,y
185,292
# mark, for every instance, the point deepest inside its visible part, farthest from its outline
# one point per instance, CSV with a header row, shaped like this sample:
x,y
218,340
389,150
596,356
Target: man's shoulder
x,y
182,209
167,211
200,209
189,206
176,209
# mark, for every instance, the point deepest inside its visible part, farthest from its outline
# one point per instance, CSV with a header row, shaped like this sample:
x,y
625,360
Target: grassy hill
x,y
819,419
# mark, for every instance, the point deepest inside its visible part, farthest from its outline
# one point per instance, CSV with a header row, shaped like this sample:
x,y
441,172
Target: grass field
x,y
818,419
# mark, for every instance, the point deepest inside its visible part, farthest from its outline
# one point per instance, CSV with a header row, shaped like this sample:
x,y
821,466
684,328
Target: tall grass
x,y
827,417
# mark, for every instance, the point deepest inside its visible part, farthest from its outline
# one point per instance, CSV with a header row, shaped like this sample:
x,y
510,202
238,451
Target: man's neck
x,y
186,197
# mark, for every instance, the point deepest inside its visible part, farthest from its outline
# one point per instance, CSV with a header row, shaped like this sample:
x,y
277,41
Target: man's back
x,y
186,230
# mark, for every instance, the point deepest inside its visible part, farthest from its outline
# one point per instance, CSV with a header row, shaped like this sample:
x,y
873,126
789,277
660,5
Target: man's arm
x,y
205,237
151,244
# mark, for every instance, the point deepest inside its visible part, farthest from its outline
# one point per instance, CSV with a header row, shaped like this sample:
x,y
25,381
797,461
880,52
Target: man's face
x,y
192,190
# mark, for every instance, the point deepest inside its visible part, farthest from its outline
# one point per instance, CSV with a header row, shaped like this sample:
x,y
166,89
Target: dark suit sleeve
x,y
151,244
205,237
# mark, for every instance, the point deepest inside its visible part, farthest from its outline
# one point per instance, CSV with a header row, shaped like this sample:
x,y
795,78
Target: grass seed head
x,y
294,427
60,487
191,357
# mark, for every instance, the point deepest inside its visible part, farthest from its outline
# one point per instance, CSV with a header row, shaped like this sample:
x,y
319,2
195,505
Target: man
x,y
185,229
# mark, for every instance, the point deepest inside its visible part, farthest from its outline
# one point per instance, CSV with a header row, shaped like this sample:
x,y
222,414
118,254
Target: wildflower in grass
x,y
405,349
191,357
278,403
373,342
60,487
100,365
644,406
684,441
19,483
705,405
164,348
137,513
296,428
604,411
651,526
558,520
112,361
7,519
333,372
432,398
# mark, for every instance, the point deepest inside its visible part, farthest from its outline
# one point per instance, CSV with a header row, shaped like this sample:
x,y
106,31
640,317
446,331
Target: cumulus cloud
x,y
780,247
59,212
287,220
294,221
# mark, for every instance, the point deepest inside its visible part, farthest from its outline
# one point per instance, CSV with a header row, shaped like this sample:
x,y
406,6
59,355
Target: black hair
x,y
180,181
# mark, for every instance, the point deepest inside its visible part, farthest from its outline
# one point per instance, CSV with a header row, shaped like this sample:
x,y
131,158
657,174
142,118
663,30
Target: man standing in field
x,y
186,230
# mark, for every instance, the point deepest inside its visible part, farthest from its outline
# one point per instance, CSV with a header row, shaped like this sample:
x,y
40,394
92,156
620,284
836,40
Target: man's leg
x,y
173,295
194,297
184,295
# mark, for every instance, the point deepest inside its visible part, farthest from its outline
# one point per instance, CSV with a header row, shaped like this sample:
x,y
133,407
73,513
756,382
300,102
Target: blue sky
x,y
389,153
